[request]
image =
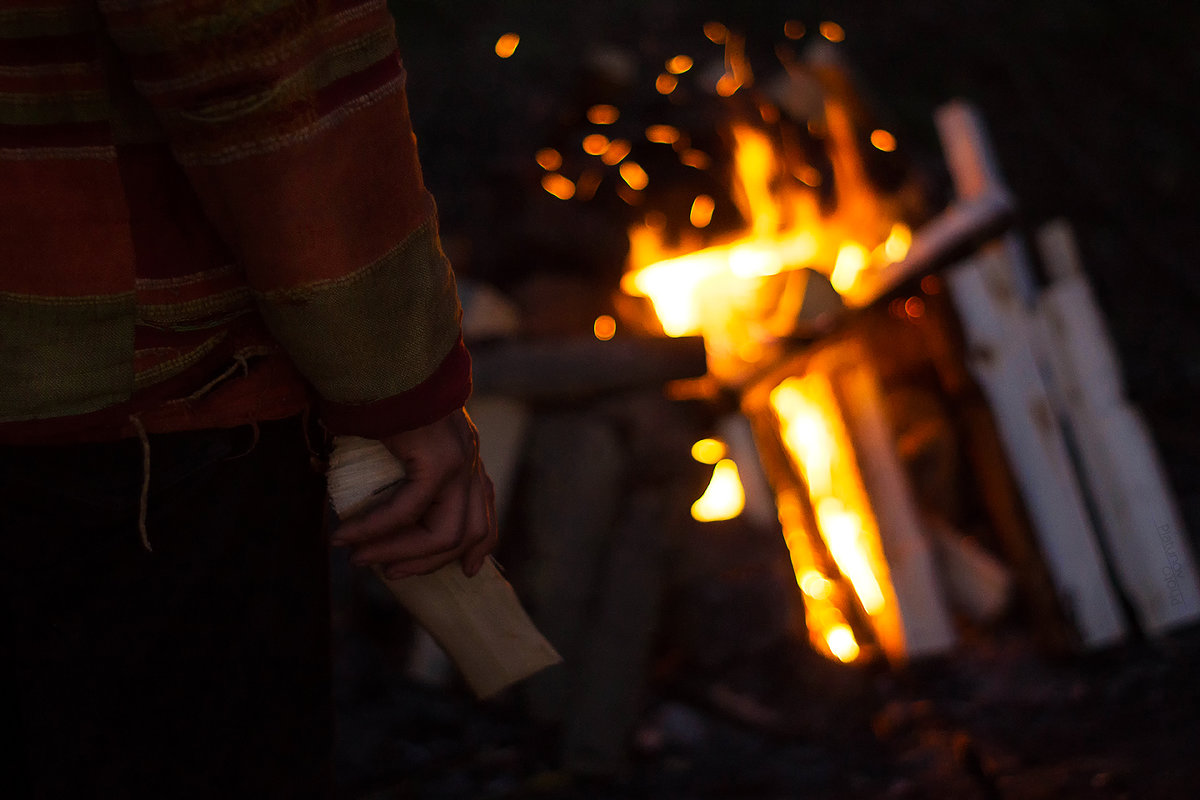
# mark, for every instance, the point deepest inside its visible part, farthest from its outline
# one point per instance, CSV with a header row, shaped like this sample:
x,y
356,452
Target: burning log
x,y
1139,518
922,608
861,520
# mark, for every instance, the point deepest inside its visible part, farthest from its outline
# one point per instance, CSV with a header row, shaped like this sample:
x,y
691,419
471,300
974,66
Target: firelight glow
x,y
724,498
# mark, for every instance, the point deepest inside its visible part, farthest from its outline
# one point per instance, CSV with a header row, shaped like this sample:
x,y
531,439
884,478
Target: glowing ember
x,y
617,150
724,498
561,187
882,140
679,65
549,159
603,114
697,159
633,174
595,144
702,211
662,134
832,31
506,45
716,32
604,328
708,451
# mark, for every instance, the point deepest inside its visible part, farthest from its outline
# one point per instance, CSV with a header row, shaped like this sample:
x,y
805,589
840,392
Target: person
x,y
216,248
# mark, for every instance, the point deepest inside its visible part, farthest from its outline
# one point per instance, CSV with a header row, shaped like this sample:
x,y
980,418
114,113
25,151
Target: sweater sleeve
x,y
290,119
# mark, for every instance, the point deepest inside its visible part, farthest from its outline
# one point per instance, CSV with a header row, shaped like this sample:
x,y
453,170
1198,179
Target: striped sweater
x,y
210,211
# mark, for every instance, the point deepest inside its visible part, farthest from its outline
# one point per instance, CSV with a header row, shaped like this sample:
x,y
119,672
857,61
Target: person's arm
x,y
290,120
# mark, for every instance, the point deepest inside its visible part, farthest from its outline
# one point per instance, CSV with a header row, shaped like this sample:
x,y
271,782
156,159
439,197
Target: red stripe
x,y
441,393
172,236
48,50
71,134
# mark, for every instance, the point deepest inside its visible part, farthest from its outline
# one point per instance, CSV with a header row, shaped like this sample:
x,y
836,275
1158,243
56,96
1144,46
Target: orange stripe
x,y
290,227
64,229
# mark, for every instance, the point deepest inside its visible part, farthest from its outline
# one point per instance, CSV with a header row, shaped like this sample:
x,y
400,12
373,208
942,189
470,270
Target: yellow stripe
x,y
377,332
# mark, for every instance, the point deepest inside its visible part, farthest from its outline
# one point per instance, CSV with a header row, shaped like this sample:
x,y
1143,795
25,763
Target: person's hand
x,y
443,511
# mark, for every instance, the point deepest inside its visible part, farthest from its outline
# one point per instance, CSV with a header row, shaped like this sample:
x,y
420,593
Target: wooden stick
x,y
478,621
1139,517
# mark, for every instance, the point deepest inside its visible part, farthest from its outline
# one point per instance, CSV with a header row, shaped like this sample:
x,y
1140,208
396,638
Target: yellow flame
x,y
702,211
506,45
843,532
708,451
842,643
851,260
898,242
724,498
604,328
602,114
561,187
549,159
818,444
633,174
816,585
679,65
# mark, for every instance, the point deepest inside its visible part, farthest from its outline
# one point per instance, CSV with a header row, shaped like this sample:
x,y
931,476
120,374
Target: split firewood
x,y
478,621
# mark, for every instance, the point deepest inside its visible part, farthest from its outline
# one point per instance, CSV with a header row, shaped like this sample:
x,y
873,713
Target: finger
x,y
401,509
440,531
482,528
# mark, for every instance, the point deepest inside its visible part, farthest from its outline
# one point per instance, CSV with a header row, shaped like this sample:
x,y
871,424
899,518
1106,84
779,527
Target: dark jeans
x,y
201,669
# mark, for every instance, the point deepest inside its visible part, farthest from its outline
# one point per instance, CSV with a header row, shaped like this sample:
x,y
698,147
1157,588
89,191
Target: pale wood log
x,y
735,430
478,621
979,585
1001,356
1138,515
927,626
